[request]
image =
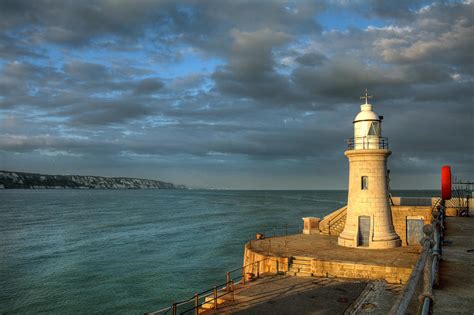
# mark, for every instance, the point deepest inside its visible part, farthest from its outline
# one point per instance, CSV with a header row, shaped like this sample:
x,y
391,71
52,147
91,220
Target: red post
x,y
446,182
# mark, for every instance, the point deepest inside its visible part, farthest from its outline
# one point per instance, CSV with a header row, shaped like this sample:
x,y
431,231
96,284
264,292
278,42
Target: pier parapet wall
x,y
404,209
255,262
258,261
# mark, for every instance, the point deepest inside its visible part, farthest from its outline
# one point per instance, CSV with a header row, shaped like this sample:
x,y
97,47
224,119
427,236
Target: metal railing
x,y
278,230
199,299
335,219
426,266
367,143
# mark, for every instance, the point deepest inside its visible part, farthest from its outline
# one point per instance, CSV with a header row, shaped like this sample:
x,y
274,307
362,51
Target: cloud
x,y
442,34
311,59
251,71
86,71
148,86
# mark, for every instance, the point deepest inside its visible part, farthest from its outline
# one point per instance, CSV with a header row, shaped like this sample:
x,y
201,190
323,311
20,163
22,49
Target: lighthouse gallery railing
x,y
367,143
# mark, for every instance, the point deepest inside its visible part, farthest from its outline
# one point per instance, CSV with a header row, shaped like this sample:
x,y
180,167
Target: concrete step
x,y
300,266
301,263
209,302
303,274
300,270
308,267
301,258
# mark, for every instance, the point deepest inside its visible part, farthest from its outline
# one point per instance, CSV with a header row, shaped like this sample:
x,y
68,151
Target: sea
x,y
136,251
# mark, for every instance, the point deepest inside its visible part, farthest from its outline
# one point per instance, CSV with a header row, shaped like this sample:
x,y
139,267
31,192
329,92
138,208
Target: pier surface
x,y
455,295
324,247
292,295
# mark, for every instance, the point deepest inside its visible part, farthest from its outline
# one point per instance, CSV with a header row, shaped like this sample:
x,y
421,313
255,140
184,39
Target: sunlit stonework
x,y
369,217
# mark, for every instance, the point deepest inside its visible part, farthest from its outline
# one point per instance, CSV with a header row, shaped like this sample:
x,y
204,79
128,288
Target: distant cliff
x,y
10,179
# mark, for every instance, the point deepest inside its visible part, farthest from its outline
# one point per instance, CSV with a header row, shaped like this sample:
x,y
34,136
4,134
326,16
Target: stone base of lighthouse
x,y
352,241
369,217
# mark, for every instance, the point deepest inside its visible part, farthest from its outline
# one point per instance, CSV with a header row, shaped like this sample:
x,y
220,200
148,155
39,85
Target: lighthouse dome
x,y
366,114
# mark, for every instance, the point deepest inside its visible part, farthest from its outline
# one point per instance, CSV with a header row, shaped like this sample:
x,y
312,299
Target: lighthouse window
x,y
374,129
364,183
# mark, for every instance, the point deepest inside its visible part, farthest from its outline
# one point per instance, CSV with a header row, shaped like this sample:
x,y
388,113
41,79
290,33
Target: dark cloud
x,y
148,86
107,112
251,69
115,23
311,59
85,71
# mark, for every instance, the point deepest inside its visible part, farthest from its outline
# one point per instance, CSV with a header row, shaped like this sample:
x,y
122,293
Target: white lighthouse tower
x,y
369,217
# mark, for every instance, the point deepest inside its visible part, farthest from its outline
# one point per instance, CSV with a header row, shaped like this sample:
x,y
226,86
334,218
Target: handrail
x,y
228,287
336,218
367,142
247,265
277,228
334,213
427,265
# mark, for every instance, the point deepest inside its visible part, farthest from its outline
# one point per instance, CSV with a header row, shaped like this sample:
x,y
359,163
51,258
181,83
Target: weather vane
x,y
366,96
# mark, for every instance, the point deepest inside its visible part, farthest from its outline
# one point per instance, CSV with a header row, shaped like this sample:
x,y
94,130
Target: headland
x,y
21,180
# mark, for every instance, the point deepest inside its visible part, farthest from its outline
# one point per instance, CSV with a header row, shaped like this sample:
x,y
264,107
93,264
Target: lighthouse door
x,y
364,231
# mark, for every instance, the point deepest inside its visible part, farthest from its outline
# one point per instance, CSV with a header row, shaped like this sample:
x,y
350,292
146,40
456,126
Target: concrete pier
x,y
292,295
455,294
326,259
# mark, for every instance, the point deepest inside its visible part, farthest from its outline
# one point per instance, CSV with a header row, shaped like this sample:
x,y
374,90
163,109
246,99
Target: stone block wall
x,y
399,218
321,268
400,214
265,263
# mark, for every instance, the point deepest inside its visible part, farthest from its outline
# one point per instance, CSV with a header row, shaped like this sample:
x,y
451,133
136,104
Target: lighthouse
x,y
369,216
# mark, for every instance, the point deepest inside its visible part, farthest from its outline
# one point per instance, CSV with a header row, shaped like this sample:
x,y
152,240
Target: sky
x,y
235,94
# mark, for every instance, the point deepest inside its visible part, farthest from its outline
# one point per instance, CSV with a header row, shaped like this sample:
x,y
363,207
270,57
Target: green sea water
x,y
133,251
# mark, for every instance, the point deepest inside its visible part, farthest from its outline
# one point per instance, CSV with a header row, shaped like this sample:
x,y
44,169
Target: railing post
x,y
436,248
215,298
427,286
400,307
442,216
175,308
227,280
258,269
243,275
232,288
196,304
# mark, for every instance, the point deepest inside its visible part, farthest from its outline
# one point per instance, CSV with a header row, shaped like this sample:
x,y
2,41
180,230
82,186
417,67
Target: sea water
x,y
133,251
